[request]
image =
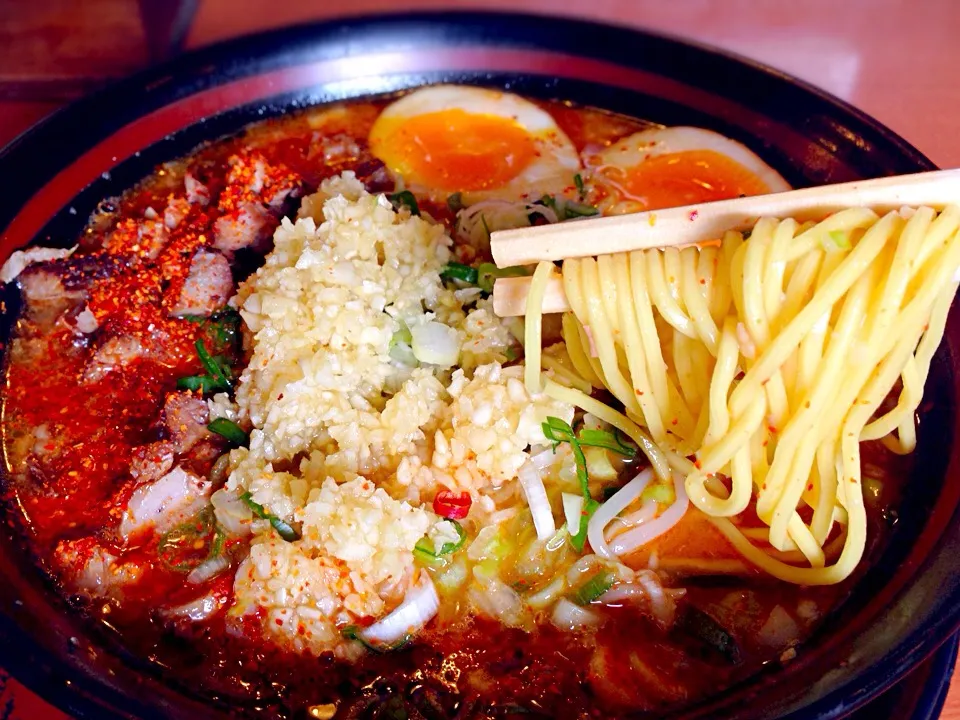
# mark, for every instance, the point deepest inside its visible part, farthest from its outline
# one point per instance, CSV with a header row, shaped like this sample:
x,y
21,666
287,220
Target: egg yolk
x,y
453,150
688,178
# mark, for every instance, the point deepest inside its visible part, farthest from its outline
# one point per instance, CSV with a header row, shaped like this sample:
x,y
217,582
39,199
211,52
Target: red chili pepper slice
x,y
451,505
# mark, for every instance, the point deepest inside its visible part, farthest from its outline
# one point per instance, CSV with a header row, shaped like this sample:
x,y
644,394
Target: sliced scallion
x,y
283,528
424,547
575,210
662,493
590,506
487,274
839,240
353,632
578,181
214,369
459,271
605,439
229,430
558,431
203,383
593,588
551,202
178,548
403,335
404,198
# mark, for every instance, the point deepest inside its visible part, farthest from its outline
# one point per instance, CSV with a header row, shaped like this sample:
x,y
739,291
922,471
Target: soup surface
x,y
267,427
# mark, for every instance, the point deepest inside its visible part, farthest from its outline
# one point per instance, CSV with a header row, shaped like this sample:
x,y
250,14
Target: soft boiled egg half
x,y
484,144
670,167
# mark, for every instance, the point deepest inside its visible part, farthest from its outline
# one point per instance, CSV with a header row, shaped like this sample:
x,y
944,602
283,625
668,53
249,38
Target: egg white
x,y
551,171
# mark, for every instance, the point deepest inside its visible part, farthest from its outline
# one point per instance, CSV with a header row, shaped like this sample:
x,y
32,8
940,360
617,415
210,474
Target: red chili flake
x,y
694,215
278,621
810,487
453,506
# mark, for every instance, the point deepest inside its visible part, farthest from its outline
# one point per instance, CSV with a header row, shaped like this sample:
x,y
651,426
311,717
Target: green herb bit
x,y
230,430
551,202
607,440
578,181
424,546
487,274
283,528
352,632
574,210
203,383
178,547
213,368
226,325
459,271
840,239
661,493
558,431
455,202
593,588
403,335
590,506
404,198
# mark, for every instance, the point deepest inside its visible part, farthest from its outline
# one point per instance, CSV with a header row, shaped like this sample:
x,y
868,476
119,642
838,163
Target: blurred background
x,y
891,58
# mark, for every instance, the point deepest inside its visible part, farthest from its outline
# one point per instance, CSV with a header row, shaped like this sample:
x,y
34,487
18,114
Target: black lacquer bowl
x,y
52,177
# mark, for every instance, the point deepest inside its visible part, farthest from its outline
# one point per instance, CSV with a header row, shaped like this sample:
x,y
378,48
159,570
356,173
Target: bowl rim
x,y
252,54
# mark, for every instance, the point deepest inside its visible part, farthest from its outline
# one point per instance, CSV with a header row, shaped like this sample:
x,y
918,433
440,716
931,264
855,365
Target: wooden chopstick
x,y
695,224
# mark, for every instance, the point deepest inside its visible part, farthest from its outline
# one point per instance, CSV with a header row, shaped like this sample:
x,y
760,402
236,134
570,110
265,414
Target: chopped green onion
x,y
404,198
593,588
226,325
403,335
230,430
605,439
213,368
662,493
839,240
283,528
178,548
558,431
424,547
578,181
203,383
459,271
353,632
590,506
455,202
574,210
487,274
551,202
